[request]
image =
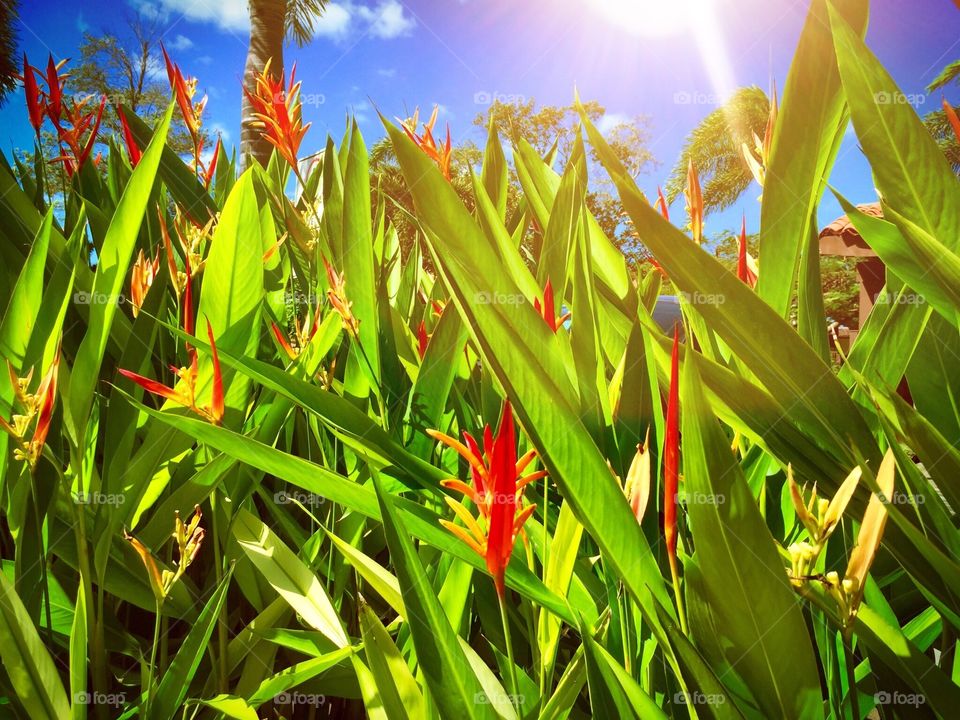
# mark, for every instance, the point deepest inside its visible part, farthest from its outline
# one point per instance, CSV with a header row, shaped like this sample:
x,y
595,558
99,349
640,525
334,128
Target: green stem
x,y
851,677
511,665
153,658
678,595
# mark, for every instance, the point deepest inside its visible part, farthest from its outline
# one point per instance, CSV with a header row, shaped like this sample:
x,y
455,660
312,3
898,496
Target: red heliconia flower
x,y
952,118
277,112
746,266
662,204
133,150
547,310
35,107
81,134
212,165
38,405
187,397
497,492
423,339
303,333
441,154
184,89
694,197
141,279
652,262
337,295
438,307
671,454
54,91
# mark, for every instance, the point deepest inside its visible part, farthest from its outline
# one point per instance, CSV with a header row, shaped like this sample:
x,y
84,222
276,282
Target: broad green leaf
x,y
749,593
31,670
289,576
449,676
398,688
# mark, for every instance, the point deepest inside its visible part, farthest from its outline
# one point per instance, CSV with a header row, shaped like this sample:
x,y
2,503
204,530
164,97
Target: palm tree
x,y
937,122
9,14
272,22
715,146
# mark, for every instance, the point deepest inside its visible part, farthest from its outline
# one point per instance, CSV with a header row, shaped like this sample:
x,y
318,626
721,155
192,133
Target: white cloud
x,y
386,19
387,72
610,120
180,42
335,21
229,15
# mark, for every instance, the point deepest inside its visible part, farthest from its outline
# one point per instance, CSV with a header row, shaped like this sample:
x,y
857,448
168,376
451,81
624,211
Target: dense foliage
x,y
259,464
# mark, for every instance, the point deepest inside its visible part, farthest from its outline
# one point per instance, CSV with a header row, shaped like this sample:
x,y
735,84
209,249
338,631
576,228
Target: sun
x,y
650,18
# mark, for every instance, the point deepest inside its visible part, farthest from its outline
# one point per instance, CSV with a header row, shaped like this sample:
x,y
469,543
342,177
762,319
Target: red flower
x,y
35,108
337,295
133,150
662,205
439,154
547,310
952,118
671,453
38,405
423,339
277,112
746,266
497,492
187,397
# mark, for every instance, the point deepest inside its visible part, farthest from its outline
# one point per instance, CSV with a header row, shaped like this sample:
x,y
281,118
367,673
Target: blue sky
x,y
462,53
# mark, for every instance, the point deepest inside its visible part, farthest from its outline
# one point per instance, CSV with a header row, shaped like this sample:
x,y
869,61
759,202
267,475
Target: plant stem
x,y
678,595
511,665
153,658
851,676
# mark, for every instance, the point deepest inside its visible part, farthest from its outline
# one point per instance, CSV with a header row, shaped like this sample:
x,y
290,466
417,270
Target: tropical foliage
x,y
256,464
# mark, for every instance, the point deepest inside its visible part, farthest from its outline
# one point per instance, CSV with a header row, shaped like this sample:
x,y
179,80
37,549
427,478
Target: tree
x,y
541,127
715,146
937,122
9,67
124,70
271,22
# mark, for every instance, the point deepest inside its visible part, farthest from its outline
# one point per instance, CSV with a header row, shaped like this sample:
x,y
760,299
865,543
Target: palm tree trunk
x,y
266,41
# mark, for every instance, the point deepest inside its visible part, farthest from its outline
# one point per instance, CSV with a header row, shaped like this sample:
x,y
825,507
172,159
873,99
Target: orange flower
x,y
184,90
337,295
189,537
423,339
439,154
694,203
38,405
746,265
303,334
133,150
188,375
662,204
546,309
277,112
144,273
952,118
497,492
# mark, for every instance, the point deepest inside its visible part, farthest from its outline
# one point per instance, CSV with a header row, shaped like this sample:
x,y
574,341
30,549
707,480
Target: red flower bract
x,y
497,492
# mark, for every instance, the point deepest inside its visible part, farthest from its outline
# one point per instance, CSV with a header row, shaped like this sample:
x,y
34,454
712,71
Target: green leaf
x,y
113,260
78,655
448,674
613,693
287,574
397,687
31,670
176,680
750,594
811,122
